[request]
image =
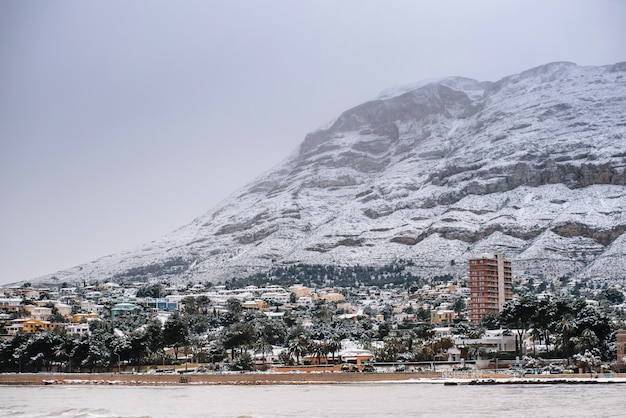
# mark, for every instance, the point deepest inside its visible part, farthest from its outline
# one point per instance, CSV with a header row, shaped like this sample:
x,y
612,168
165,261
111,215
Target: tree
x,y
234,306
593,329
175,333
56,317
121,349
233,312
392,347
319,349
542,320
79,353
566,328
586,341
518,314
612,295
383,330
459,306
203,303
469,330
242,362
239,335
262,347
490,321
589,360
41,351
387,312
476,351
299,347
150,290
153,337
190,305
98,355
271,330
579,326
333,345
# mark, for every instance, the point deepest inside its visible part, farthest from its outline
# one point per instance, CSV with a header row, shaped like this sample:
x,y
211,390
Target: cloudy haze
x,y
122,121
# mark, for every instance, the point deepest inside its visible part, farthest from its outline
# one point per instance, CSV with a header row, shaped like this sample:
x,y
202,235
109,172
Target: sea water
x,y
329,400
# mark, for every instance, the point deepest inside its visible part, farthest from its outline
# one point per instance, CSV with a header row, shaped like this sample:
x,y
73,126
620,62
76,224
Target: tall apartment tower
x,y
491,285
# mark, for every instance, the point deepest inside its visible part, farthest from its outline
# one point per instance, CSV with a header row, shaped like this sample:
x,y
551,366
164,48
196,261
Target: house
x,y
40,313
63,309
29,325
77,329
356,358
305,301
110,286
197,288
331,296
351,317
162,304
257,304
269,357
492,341
80,318
124,309
15,326
91,307
33,325
274,314
10,304
404,318
299,290
277,296
442,316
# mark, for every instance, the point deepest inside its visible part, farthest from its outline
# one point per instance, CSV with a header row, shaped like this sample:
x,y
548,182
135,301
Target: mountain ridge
x,y
532,165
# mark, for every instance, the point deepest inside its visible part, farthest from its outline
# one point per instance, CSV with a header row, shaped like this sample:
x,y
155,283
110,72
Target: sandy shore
x,y
290,378
205,379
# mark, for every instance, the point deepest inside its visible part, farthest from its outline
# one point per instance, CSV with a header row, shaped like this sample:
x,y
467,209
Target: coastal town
x,y
447,325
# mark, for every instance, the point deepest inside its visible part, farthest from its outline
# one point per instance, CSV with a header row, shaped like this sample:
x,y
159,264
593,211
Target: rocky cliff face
x,y
532,166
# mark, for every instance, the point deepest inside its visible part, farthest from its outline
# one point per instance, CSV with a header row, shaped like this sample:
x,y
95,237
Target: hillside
x,y
532,166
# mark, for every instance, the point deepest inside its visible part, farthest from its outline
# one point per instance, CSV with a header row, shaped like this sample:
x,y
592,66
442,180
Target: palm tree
x,y
319,349
566,327
391,348
299,347
333,345
476,350
262,347
587,341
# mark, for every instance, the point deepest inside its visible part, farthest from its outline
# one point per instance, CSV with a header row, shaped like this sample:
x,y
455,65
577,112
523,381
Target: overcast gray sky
x,y
121,121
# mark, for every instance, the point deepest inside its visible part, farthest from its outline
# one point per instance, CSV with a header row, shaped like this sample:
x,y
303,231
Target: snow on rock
x,y
532,165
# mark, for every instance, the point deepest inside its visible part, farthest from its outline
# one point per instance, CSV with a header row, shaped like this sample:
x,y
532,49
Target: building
x,y
491,285
28,325
77,329
122,309
10,304
354,359
442,316
40,313
81,318
620,341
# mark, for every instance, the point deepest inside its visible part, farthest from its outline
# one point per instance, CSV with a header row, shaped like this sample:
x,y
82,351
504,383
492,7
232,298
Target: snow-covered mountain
x,y
532,166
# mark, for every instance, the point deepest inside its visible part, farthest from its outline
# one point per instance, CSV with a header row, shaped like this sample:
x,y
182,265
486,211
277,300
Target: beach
x,y
269,378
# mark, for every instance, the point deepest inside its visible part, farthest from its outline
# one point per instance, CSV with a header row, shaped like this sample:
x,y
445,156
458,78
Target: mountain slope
x,y
532,165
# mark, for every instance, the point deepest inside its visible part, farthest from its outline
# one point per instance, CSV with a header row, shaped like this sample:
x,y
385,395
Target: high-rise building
x,y
491,285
